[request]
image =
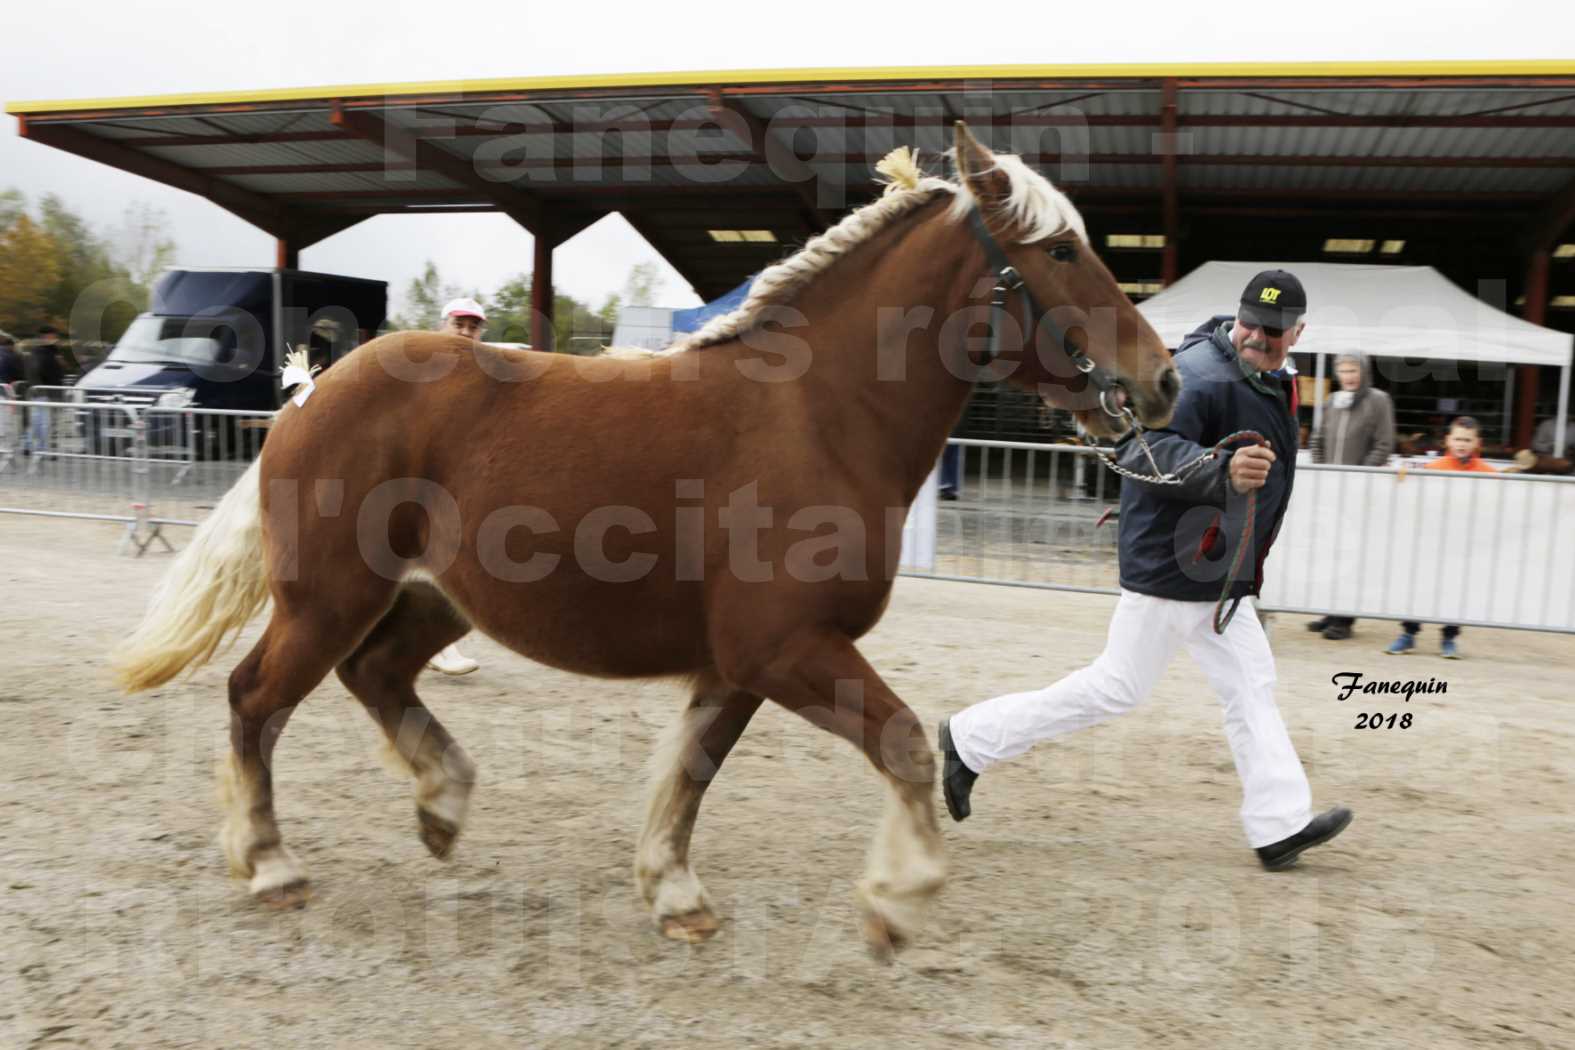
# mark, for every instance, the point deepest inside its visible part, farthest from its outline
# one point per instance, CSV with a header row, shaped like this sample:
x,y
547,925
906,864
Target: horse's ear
x,y
976,166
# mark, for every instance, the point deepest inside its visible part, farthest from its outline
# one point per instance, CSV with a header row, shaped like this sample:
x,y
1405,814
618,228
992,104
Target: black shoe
x,y
1319,830
1337,632
1320,624
956,778
948,494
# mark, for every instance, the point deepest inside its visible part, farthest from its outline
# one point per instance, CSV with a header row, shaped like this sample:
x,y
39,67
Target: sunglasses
x,y
1272,331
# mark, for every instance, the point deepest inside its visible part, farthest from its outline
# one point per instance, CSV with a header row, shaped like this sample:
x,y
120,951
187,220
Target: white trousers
x,y
1144,635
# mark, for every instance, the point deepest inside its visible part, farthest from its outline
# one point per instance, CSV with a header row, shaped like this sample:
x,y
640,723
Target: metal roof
x,y
1189,149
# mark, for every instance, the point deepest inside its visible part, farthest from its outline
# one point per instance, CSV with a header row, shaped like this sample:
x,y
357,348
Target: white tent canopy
x,y
1383,311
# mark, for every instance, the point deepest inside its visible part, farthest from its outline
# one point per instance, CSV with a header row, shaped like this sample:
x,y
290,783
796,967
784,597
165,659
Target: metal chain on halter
x,y
1160,477
1180,474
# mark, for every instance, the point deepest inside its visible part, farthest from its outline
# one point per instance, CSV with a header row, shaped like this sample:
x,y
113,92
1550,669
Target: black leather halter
x,y
1007,281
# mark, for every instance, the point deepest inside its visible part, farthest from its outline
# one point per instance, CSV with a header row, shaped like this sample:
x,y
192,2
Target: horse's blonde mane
x,y
1033,206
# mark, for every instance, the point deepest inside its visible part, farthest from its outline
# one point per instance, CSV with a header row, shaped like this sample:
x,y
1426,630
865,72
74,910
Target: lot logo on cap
x,y
1269,295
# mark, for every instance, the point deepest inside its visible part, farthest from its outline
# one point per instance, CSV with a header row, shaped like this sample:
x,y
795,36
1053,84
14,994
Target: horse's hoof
x,y
883,939
692,927
283,898
437,834
278,879
881,931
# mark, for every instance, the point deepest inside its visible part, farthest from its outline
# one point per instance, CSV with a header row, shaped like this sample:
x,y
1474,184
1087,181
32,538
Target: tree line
x,y
57,269
54,263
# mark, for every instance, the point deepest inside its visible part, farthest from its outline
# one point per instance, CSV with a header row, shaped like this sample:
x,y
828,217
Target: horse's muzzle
x,y
1155,410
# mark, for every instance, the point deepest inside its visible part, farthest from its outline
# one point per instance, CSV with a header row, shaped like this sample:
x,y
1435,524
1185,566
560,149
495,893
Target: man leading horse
x,y
1177,541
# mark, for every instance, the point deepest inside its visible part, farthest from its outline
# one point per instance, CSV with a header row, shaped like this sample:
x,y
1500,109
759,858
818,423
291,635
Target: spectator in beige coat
x,y
1358,430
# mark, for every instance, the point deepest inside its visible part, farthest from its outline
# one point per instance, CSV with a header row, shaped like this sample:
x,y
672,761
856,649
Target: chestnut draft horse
x,y
728,511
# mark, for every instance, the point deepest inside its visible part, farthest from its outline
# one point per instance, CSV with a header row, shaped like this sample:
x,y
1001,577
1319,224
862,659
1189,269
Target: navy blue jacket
x,y
11,368
1177,541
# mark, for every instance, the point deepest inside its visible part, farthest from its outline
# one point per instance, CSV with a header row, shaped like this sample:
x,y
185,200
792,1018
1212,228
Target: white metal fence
x,y
1439,546
134,462
1027,515
1473,549
10,417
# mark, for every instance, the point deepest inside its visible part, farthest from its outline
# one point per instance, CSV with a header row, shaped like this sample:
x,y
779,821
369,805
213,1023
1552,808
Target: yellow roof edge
x,y
1474,68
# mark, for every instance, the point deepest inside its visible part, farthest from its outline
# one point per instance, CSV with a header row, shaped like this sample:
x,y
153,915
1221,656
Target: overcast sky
x,y
74,49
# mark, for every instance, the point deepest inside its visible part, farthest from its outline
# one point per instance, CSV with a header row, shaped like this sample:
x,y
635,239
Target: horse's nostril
x,y
1170,384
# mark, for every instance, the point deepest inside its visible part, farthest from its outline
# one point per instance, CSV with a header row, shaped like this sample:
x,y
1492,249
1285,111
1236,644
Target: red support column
x,y
1535,311
541,293
1171,205
286,255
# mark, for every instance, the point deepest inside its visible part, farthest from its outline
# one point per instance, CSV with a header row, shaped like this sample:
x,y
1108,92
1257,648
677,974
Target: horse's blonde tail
x,y
214,587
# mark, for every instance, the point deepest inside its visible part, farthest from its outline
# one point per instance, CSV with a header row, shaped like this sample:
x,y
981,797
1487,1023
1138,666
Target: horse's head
x,y
1089,350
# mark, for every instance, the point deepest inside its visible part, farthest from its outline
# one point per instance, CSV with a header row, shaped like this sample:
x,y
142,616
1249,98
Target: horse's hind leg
x,y
823,677
682,767
296,651
382,674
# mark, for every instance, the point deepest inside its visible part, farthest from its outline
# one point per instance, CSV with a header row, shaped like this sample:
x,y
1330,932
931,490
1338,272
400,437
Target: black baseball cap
x,y
1273,299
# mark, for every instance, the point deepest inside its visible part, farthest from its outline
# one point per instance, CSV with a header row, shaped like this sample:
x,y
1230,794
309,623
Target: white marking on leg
x,y
666,881
444,776
236,835
907,861
271,868
442,794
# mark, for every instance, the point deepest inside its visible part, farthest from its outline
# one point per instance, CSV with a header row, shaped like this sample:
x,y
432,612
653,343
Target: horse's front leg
x,y
682,768
822,676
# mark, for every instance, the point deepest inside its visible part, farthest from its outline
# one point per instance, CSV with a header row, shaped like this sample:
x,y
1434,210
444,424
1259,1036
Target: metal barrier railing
x,y
1393,543
1437,546
11,416
132,462
1473,549
1025,514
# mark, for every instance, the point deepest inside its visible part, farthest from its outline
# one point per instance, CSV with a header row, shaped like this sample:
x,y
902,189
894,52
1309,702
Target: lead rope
x,y
1180,474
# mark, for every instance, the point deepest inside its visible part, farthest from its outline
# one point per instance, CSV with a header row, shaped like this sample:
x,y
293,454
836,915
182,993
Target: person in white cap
x,y
464,317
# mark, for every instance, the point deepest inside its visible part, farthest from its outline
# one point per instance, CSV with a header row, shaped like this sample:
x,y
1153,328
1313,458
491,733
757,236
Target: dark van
x,y
217,339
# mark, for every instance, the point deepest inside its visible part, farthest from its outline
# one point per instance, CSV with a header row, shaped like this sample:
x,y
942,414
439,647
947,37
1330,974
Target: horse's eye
x,y
1063,252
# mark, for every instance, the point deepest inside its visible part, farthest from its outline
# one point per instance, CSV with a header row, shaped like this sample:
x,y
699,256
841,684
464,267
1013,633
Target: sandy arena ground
x,y
1101,896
